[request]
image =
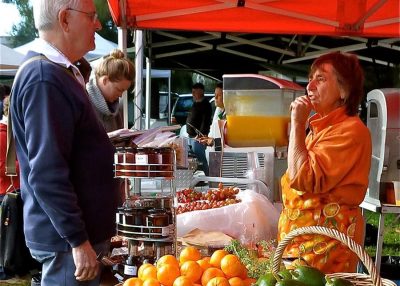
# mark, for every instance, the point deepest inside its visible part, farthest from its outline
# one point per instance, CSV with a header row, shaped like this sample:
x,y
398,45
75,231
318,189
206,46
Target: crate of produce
x,y
358,279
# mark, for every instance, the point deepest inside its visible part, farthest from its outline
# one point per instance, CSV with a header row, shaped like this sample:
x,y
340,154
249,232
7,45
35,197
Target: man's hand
x,y
85,260
208,141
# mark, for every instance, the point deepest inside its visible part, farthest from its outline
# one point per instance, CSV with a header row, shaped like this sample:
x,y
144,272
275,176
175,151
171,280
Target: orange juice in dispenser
x,y
257,109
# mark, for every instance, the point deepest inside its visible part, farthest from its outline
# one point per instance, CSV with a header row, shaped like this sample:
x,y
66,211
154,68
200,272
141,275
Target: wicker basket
x,y
373,279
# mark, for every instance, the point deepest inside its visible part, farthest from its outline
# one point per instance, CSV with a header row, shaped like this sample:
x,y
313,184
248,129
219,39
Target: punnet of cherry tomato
x,y
192,200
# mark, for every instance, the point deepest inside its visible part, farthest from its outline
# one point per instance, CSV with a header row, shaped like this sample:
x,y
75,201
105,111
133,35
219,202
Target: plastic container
x,y
258,109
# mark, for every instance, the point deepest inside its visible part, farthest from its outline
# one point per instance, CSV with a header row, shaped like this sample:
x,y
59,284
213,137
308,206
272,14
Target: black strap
x,y
11,155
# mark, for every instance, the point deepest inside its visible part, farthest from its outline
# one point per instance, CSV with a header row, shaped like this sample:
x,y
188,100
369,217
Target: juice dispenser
x,y
256,130
257,109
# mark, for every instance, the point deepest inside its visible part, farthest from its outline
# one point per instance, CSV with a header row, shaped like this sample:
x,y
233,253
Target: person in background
x,y
198,123
66,158
213,140
327,175
6,182
2,96
108,81
85,68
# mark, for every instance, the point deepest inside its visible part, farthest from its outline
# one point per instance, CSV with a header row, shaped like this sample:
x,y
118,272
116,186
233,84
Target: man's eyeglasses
x,y
92,15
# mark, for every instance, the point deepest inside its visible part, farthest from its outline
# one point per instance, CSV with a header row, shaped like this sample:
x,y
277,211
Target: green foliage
x,y
391,237
25,31
109,30
249,257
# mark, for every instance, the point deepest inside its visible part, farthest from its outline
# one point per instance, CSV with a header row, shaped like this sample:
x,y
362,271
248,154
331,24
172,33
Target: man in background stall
x,y
198,124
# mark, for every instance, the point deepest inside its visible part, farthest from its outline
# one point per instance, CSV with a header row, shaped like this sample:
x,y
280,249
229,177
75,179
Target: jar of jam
x,y
154,162
118,160
157,220
135,216
124,160
166,158
148,251
129,162
144,158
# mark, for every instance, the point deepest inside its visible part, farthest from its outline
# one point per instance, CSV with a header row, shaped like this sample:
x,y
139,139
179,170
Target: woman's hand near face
x,y
297,152
300,110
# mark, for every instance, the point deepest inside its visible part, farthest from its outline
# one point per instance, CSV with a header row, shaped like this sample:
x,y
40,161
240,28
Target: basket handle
x,y
332,233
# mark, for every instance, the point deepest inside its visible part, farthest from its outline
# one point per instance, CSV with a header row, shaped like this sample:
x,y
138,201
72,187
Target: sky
x,y
9,15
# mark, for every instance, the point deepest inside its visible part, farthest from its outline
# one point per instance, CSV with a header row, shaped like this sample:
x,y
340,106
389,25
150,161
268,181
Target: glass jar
x,y
124,160
130,267
142,162
158,220
166,167
154,162
148,251
129,162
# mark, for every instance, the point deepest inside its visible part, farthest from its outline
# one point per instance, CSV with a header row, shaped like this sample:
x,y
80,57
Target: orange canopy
x,y
367,18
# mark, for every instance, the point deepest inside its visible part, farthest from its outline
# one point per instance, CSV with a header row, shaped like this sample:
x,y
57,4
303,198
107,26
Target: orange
x,y
151,282
167,259
167,273
218,281
192,270
133,282
249,281
148,272
183,281
235,281
189,253
231,266
216,257
142,267
244,273
204,263
210,273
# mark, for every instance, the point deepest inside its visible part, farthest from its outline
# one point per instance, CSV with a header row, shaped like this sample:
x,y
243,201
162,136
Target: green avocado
x,y
285,274
290,282
309,276
336,281
267,279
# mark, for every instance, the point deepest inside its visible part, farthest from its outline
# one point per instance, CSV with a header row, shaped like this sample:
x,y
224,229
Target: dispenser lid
x,y
256,82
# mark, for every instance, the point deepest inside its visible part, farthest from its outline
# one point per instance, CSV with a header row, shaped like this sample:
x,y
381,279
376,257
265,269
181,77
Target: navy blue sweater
x,y
66,160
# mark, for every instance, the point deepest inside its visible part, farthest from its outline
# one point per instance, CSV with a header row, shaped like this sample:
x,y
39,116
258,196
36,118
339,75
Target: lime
x,y
309,276
267,279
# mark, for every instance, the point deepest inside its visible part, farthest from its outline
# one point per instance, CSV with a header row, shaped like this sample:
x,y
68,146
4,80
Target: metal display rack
x,y
147,222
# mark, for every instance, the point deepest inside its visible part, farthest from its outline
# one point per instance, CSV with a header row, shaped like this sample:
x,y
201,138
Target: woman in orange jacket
x,y
327,175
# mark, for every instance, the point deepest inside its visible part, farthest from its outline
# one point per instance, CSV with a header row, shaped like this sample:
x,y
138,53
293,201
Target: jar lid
x,y
156,210
165,149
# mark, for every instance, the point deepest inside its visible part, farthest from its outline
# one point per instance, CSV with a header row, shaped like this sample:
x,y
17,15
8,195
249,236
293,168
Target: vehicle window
x,y
184,104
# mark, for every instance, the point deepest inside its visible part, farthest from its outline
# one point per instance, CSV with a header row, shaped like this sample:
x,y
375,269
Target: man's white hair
x,y
45,12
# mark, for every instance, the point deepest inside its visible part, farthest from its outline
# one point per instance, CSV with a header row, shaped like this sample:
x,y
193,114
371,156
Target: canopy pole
x,y
148,92
122,45
138,80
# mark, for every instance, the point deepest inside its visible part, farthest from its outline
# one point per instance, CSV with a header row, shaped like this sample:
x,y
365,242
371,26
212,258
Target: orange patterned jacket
x,y
328,190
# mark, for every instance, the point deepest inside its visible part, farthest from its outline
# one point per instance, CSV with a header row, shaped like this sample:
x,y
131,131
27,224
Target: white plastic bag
x,y
253,219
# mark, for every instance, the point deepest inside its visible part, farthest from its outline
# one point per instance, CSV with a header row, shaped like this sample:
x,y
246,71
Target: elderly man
x,y
65,156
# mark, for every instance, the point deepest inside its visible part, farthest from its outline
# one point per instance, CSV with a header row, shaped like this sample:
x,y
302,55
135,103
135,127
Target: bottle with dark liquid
x,y
130,267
